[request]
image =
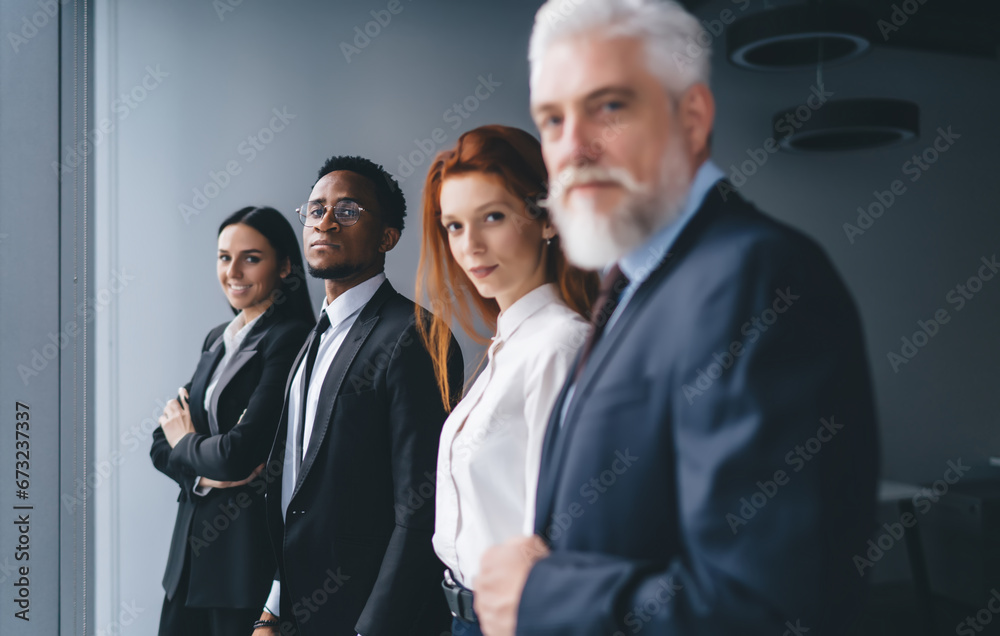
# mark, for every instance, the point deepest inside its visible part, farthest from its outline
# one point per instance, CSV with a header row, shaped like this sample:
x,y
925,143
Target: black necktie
x,y
315,337
612,286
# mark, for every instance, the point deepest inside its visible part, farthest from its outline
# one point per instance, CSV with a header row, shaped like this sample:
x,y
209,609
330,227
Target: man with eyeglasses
x,y
350,494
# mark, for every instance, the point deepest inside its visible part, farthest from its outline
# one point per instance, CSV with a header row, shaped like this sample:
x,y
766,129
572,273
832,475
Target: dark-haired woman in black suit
x,y
214,438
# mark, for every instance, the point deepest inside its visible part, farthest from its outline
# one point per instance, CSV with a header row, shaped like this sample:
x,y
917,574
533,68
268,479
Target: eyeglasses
x,y
344,212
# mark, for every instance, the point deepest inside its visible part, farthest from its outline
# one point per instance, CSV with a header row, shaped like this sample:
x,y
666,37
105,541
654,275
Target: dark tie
x,y
315,337
612,286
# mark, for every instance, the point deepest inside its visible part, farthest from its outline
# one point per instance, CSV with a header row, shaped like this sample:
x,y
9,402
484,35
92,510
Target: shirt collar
x,y
638,264
237,330
510,319
351,301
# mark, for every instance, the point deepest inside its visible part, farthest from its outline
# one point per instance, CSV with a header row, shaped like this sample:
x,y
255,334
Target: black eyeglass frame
x,y
304,218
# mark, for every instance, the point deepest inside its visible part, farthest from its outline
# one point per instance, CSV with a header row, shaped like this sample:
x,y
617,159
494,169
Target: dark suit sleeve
x,y
410,572
160,450
233,455
786,559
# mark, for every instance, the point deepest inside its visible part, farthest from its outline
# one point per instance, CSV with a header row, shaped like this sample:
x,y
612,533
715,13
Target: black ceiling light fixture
x,y
817,33
797,37
847,124
814,35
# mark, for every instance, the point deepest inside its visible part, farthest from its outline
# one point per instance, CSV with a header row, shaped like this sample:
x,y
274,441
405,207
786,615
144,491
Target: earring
x,y
548,241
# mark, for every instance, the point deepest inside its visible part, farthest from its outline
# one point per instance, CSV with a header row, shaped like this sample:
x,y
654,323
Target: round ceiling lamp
x,y
798,37
849,124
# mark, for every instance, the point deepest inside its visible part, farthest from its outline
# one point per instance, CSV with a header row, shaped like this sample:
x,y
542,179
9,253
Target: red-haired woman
x,y
482,225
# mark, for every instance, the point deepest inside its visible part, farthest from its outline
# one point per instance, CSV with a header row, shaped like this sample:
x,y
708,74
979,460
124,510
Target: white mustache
x,y
583,175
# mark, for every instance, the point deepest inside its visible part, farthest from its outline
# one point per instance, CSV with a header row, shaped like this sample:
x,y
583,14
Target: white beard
x,y
593,239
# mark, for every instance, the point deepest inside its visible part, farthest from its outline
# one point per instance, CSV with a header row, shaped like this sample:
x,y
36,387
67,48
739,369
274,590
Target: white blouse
x,y
491,444
234,335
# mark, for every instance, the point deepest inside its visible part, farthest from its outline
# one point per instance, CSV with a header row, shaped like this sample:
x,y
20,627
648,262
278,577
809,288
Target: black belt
x,y
459,598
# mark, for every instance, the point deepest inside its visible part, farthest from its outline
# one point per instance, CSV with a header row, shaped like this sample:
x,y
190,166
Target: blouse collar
x,y
237,330
524,307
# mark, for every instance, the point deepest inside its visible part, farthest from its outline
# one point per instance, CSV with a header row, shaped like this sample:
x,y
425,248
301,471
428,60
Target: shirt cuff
x,y
198,489
273,603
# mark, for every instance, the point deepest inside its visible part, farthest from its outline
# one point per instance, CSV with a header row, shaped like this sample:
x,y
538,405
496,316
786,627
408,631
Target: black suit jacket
x,y
717,466
354,551
225,533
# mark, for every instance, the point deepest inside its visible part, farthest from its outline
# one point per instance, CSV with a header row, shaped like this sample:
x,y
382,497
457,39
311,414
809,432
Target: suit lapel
x,y
199,383
279,438
334,378
247,350
706,214
276,458
556,441
545,491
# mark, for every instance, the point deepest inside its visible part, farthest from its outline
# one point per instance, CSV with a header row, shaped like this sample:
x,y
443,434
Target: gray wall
x,y
46,311
221,77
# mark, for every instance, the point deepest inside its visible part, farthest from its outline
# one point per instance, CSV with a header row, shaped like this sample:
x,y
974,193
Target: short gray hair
x,y
678,50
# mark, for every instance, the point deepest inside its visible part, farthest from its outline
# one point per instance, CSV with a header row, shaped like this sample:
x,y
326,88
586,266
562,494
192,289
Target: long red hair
x,y
516,158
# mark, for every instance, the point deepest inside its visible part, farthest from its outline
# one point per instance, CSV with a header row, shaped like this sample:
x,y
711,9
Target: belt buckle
x,y
451,588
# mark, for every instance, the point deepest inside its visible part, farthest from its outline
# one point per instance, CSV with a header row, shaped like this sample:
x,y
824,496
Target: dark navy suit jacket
x,y
717,466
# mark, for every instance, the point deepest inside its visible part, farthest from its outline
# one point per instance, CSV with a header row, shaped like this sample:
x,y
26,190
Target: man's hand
x,y
176,418
266,631
503,572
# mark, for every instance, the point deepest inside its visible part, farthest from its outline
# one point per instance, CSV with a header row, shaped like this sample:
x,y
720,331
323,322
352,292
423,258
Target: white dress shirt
x,y
491,444
343,312
234,335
